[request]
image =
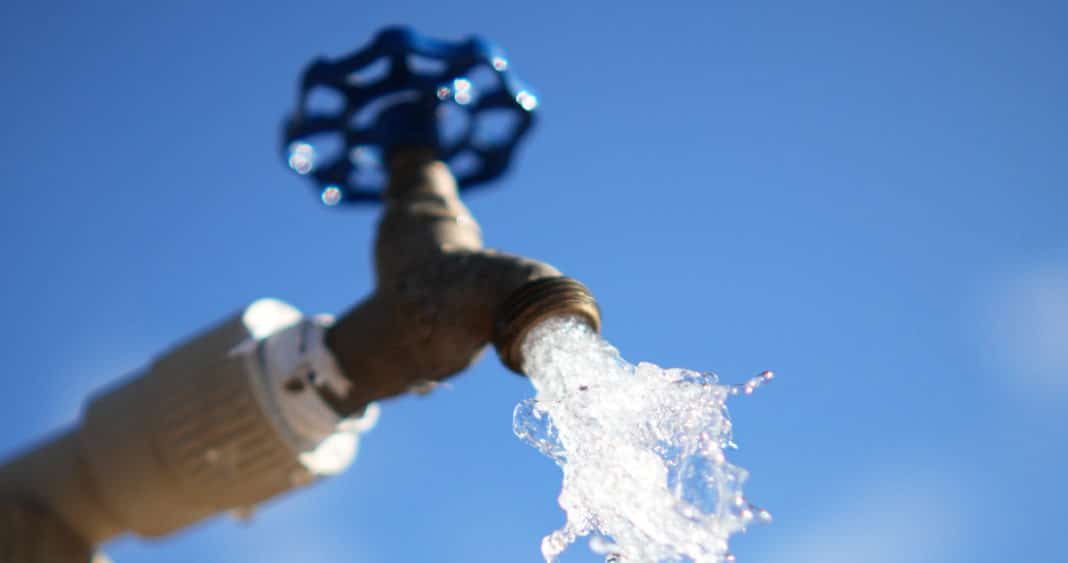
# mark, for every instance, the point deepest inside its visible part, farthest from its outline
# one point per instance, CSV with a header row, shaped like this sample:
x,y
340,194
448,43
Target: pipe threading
x,y
535,302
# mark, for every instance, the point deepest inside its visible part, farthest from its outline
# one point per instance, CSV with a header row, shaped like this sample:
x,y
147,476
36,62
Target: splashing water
x,y
641,449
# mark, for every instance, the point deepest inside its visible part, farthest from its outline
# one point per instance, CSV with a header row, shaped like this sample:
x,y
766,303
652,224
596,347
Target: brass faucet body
x,y
440,296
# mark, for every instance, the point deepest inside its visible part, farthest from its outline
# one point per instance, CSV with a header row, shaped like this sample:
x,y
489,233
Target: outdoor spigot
x,y
440,297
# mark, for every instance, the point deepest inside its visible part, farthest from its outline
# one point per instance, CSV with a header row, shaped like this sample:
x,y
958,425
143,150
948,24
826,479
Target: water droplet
x,y
301,158
500,63
526,100
444,92
463,89
764,516
331,195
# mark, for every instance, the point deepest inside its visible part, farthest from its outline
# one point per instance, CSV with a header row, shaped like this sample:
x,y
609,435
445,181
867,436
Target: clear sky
x,y
867,197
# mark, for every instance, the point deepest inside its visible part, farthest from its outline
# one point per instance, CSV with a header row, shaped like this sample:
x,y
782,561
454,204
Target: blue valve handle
x,y
404,107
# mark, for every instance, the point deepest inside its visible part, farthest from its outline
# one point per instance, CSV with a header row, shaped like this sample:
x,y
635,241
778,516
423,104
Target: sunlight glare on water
x,y
641,449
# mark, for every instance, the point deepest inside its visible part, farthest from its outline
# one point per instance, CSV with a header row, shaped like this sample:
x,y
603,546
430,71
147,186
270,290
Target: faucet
x,y
270,399
441,297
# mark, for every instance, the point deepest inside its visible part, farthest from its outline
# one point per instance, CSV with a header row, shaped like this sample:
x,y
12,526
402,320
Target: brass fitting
x,y
440,296
534,302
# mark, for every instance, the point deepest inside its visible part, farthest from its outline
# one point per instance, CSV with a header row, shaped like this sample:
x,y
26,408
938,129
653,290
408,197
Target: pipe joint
x,y
534,302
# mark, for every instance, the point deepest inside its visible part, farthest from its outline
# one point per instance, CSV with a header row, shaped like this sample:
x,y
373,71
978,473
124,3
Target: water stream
x,y
641,448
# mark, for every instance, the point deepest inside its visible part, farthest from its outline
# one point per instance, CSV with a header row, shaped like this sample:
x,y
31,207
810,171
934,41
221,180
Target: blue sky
x,y
868,198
